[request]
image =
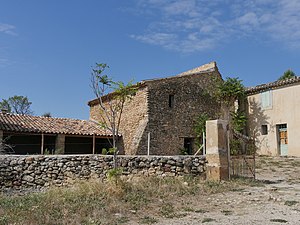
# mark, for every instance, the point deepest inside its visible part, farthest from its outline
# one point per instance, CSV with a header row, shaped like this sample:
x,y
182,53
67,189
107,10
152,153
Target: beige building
x,y
162,114
274,117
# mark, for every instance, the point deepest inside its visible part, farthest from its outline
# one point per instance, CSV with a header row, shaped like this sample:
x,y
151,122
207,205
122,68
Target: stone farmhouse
x,y
36,135
162,113
274,120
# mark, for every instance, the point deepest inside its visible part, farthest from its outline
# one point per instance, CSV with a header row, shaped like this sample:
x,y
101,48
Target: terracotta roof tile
x,y
272,85
49,125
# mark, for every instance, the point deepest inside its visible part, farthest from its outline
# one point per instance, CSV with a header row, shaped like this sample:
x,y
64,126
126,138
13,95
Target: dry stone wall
x,y
19,172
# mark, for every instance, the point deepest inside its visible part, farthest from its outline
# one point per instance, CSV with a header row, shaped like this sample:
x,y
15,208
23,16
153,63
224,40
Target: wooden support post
x,y
204,142
42,145
94,143
148,147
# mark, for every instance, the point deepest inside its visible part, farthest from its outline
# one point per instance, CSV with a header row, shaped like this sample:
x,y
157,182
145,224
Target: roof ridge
x,y
274,84
43,117
208,67
38,124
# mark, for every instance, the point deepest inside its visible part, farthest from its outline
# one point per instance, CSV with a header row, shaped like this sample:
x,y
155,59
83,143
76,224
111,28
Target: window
x,y
264,129
266,99
171,101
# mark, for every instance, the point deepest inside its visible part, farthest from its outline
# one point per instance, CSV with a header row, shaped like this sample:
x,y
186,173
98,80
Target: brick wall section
x,y
133,121
19,172
192,96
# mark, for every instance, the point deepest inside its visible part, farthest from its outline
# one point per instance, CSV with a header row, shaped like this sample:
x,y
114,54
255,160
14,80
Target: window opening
x,y
264,129
171,101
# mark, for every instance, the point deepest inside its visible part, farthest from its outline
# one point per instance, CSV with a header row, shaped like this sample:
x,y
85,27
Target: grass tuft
x,y
115,203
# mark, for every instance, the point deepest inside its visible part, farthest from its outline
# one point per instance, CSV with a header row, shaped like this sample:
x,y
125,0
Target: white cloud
x,y
7,29
197,25
156,38
5,62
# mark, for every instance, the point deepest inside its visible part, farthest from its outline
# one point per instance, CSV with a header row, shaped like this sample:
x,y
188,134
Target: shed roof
x,y
49,125
273,85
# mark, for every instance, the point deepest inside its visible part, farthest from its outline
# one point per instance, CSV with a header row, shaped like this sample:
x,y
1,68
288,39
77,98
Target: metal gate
x,y
242,156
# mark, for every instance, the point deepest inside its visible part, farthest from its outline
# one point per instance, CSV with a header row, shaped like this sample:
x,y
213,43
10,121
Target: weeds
x,y
148,220
207,220
279,220
167,210
86,202
201,211
290,203
227,212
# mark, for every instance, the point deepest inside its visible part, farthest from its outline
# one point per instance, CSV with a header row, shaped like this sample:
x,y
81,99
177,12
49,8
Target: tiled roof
x,y
272,85
49,125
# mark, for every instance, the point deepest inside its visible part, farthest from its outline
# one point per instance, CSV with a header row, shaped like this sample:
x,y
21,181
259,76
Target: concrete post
x,y
60,144
217,150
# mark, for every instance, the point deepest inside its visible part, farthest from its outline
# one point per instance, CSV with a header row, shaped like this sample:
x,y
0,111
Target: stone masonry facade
x,y
133,121
167,109
39,171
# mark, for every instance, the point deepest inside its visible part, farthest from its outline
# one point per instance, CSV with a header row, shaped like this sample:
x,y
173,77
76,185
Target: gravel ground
x,y
277,201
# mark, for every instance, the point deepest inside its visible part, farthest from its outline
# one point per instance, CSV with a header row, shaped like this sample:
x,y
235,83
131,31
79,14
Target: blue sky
x,y
47,48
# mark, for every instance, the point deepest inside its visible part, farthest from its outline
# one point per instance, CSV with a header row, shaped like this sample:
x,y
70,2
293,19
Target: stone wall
x,y
18,172
133,121
149,112
193,95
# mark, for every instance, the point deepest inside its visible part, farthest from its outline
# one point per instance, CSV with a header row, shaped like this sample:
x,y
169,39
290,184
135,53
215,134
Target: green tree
x,y
228,91
289,74
47,114
17,104
111,96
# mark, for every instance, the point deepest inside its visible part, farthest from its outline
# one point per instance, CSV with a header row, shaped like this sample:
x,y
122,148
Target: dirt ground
x,y
275,201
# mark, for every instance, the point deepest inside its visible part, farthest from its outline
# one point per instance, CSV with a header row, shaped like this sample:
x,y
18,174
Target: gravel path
x,y
275,202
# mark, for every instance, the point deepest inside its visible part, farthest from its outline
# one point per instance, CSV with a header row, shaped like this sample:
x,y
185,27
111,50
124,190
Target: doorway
x,y
188,145
282,139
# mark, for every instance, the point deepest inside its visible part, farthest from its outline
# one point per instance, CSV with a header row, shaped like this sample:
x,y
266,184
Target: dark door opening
x,y
188,145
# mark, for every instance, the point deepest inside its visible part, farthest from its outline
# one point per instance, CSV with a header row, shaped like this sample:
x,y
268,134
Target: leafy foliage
x,y
47,114
239,121
287,75
230,90
17,104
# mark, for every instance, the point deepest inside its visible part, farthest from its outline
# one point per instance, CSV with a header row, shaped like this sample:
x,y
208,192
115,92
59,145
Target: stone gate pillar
x,y
217,150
